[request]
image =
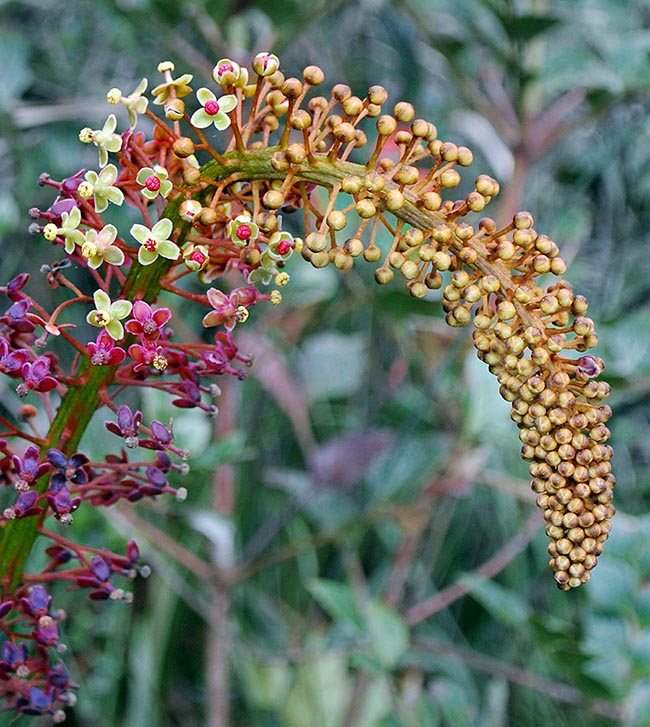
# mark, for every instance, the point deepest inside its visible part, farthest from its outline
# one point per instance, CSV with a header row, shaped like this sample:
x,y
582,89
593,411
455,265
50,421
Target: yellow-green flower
x,y
242,230
105,139
135,102
213,110
68,230
173,87
108,315
98,247
103,190
155,241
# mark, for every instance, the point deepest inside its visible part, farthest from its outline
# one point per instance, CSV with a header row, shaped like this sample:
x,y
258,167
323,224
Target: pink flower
x,y
228,310
146,322
104,352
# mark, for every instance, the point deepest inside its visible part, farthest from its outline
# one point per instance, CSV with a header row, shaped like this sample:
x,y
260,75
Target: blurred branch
x,y
498,562
555,690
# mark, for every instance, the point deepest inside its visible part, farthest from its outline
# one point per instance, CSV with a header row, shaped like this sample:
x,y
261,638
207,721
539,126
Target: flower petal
x,y
200,119
228,102
146,257
115,330
102,300
140,232
168,249
162,229
121,309
204,95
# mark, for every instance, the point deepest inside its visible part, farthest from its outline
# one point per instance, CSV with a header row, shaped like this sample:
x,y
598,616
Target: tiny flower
x,y
227,73
213,110
226,310
172,88
242,230
68,470
155,241
135,102
147,322
36,377
154,182
281,279
98,247
104,139
189,209
196,257
265,64
127,426
104,352
29,469
265,272
280,245
102,187
108,315
69,223
11,362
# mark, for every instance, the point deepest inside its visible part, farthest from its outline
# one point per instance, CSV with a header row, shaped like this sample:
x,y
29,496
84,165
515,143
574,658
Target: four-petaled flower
x,y
104,352
242,230
108,315
98,247
213,110
28,469
103,190
173,87
280,245
105,139
154,182
135,102
227,310
147,322
68,230
155,241
68,470
36,377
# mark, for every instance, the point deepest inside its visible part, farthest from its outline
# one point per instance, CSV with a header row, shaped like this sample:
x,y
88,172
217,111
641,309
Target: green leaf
x,y
504,605
388,634
337,600
526,27
267,682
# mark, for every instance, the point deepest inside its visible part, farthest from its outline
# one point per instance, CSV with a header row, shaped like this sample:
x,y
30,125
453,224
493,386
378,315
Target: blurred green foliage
x,y
374,462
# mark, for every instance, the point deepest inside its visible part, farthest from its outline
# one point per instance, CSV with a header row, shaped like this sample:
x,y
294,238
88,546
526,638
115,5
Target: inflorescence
x,y
210,191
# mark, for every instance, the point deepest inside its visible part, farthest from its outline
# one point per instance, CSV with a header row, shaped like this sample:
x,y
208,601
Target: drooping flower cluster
x,y
208,194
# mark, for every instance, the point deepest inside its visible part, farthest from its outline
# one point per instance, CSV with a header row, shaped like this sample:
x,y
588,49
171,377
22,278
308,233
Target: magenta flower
x,y
104,352
29,469
11,362
146,322
36,377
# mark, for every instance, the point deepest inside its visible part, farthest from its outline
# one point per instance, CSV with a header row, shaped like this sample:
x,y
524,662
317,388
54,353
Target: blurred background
x,y
364,482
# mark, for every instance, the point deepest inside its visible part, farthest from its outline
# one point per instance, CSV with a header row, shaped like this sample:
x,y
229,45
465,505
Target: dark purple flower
x,y
58,677
15,316
12,655
38,603
147,323
28,468
162,436
104,352
47,632
38,702
59,207
36,377
100,568
190,395
25,504
62,504
12,288
127,425
67,470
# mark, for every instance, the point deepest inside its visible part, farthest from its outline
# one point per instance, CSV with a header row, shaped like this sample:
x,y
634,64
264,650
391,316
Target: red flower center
x,y
150,244
198,257
211,108
283,247
152,183
224,68
243,232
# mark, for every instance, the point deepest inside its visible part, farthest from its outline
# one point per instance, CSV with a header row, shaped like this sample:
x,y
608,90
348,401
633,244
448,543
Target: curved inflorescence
x,y
209,192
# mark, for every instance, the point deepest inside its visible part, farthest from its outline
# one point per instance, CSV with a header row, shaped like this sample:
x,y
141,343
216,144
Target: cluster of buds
x,y
209,191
